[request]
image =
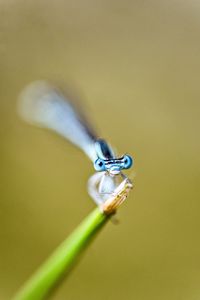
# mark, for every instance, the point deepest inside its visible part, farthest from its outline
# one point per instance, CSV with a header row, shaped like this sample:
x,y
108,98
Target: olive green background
x,y
136,67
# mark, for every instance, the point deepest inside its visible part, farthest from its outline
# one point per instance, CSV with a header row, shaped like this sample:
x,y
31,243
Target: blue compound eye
x,y
127,161
99,165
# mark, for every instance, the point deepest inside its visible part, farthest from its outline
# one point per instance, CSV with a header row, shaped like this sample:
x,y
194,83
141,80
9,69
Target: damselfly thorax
x,y
45,106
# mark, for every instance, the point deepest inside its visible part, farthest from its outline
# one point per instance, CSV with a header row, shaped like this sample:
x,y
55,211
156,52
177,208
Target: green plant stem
x,y
61,261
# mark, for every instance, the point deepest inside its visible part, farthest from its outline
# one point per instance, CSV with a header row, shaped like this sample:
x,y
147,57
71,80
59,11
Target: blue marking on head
x,y
127,161
113,165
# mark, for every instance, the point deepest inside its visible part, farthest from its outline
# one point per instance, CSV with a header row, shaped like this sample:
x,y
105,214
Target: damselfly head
x,y
107,160
113,165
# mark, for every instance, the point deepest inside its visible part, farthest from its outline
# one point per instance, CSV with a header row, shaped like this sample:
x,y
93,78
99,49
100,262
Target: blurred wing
x,y
43,105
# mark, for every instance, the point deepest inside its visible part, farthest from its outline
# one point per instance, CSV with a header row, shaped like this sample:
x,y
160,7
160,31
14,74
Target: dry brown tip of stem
x,y
111,205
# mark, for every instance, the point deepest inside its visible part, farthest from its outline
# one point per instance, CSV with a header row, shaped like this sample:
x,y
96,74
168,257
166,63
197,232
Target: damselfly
x,y
45,106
